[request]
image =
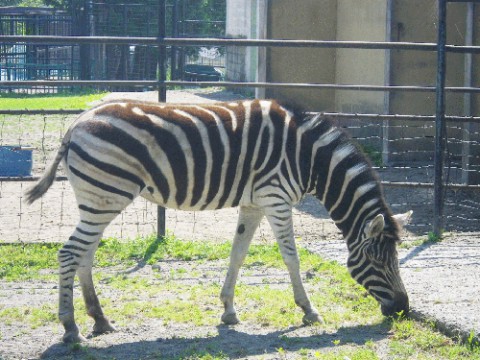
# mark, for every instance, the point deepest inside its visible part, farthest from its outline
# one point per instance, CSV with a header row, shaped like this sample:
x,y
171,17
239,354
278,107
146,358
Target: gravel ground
x,y
442,279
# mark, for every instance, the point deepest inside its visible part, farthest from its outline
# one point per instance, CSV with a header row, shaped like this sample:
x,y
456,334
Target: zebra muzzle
x,y
397,307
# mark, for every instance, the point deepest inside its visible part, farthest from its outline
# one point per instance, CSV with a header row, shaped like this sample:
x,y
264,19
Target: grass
x,y
431,238
64,101
168,294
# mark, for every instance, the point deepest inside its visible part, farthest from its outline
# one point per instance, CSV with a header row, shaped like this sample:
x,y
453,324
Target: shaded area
x,y
227,341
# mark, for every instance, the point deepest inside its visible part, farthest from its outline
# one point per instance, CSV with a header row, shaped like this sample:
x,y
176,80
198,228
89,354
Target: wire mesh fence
x,y
403,150
55,216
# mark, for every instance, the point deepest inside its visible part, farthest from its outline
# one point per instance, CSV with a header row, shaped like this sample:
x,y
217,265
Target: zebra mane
x,y
321,124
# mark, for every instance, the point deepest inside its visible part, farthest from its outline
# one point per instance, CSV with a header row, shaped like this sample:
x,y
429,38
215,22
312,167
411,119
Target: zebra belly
x,y
157,198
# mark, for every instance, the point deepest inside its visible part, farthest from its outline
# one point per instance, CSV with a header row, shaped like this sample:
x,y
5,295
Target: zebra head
x,y
373,263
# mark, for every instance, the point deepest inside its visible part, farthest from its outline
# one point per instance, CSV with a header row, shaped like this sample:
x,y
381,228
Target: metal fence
x,y
440,183
27,61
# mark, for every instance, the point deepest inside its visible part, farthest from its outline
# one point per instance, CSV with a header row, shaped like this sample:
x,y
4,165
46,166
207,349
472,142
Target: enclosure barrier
x,y
162,42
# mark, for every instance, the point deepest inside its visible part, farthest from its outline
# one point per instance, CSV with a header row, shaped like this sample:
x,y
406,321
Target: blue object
x,y
16,161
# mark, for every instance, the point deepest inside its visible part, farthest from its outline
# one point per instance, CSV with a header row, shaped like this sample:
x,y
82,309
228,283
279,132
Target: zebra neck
x,y
352,198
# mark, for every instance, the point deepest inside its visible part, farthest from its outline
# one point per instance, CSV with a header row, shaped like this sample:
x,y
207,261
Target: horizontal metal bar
x,y
154,83
70,40
319,86
150,83
356,116
429,185
28,178
154,41
384,117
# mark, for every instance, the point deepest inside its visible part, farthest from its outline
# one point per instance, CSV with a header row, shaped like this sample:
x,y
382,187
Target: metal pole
x,y
173,49
162,96
468,128
440,120
387,82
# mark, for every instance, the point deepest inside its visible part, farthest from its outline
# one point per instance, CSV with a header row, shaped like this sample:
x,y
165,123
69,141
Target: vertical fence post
x,y
440,119
173,49
162,95
468,129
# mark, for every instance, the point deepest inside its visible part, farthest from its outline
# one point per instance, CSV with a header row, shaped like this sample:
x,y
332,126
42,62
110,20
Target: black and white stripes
x,y
254,154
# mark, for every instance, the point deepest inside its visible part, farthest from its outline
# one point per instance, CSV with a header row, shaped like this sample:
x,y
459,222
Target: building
x,y
368,20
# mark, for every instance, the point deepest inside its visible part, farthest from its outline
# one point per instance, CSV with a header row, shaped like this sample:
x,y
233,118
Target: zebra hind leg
x,y
76,257
248,221
84,272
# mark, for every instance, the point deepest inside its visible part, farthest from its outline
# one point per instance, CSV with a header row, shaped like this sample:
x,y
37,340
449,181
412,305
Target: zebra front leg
x,y
282,225
248,221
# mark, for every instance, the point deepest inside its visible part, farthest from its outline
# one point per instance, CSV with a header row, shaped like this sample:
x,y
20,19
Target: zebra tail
x,y
44,183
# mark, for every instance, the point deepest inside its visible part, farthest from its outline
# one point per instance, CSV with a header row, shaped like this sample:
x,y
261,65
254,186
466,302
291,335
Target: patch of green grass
x,y
151,250
31,316
430,239
25,261
352,354
411,339
62,101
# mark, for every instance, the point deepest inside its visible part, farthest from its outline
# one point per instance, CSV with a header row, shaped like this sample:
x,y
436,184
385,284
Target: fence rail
x,y
169,41
233,84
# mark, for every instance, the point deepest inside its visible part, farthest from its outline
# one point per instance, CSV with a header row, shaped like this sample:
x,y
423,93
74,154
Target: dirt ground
x,y
443,279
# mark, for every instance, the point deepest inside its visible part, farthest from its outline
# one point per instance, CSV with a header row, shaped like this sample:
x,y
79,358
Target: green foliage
x,y
433,238
33,3
373,154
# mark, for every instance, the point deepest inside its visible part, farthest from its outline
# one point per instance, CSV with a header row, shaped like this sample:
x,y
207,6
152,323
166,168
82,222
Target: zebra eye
x,y
374,254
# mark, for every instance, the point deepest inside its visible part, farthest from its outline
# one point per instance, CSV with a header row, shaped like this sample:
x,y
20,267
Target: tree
x,y
33,3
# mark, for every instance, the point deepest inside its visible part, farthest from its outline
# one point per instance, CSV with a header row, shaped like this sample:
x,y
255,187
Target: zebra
x,y
259,155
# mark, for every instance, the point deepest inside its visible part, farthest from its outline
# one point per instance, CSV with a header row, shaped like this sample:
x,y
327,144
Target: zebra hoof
x,y
230,319
73,337
312,318
103,326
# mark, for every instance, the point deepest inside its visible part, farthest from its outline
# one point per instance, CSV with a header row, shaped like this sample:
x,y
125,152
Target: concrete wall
x,y
407,20
374,20
305,19
328,20
355,66
241,22
368,20
419,68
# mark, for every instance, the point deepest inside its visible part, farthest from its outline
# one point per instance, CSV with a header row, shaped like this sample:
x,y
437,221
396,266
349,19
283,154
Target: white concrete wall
x,y
238,18
243,22
355,66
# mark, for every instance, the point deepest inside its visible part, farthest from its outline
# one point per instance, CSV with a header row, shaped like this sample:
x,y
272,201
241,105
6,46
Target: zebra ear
x,y
403,219
375,227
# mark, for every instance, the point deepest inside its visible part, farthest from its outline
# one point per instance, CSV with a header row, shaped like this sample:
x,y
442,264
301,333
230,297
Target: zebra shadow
x,y
228,342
